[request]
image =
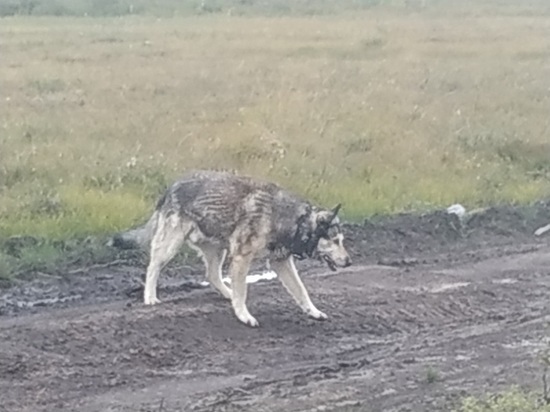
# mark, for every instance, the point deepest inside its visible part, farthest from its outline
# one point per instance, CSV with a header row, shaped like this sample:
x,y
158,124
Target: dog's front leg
x,y
290,279
238,270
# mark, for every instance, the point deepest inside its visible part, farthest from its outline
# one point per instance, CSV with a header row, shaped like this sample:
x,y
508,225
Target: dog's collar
x,y
301,246
305,240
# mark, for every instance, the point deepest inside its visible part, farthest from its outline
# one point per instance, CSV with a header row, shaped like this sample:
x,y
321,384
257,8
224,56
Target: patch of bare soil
x,y
433,309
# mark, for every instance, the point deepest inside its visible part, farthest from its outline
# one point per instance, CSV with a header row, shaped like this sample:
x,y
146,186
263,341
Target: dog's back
x,y
218,201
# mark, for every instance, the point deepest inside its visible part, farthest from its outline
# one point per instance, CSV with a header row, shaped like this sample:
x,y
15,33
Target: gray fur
x,y
222,214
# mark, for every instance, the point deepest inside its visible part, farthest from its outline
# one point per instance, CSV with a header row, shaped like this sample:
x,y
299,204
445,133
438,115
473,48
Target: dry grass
x,y
384,110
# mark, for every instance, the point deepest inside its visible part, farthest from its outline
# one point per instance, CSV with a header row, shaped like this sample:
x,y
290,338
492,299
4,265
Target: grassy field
x,y
387,108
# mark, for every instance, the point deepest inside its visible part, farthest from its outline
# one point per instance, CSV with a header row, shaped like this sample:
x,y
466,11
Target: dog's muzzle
x,y
332,264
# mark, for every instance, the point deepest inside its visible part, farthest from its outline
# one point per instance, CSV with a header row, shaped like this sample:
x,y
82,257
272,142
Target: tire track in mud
x,y
432,341
445,348
388,324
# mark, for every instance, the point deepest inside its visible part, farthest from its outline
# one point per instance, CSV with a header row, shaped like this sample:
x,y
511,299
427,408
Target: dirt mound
x,y
408,235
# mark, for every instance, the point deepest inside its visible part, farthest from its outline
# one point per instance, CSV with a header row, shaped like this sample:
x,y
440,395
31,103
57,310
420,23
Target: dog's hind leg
x,y
238,270
293,284
213,257
168,237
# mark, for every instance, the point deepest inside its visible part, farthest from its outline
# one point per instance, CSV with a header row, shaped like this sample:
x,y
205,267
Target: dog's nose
x,y
348,262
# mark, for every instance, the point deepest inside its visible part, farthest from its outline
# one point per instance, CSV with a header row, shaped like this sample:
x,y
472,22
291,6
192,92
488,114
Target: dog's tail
x,y
140,237
137,238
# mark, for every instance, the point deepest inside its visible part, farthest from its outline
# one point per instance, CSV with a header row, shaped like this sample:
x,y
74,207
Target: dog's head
x,y
328,239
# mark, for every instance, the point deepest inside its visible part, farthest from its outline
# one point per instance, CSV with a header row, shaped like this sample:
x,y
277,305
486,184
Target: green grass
x,y
170,8
23,257
432,375
510,400
77,212
513,400
394,107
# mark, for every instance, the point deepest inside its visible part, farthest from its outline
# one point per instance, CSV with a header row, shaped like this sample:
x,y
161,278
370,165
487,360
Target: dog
x,y
221,215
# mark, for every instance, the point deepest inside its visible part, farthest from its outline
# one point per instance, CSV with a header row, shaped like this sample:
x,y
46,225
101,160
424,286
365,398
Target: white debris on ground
x,y
457,209
460,211
542,230
266,275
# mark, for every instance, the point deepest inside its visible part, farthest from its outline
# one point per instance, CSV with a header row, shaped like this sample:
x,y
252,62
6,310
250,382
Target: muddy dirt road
x,y
432,310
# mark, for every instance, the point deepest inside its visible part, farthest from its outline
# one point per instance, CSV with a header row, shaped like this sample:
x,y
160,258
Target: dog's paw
x,y
317,315
151,300
248,320
252,322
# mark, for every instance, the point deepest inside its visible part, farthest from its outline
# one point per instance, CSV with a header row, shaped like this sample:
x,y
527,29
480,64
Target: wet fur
x,y
222,215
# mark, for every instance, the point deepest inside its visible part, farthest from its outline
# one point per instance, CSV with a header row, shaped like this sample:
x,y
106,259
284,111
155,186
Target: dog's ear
x,y
335,211
327,216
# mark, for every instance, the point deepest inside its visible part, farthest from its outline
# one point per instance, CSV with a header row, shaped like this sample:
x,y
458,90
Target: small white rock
x,y
542,230
457,209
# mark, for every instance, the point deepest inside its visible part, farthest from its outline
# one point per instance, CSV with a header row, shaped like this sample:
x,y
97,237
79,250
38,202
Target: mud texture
x,y
432,309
